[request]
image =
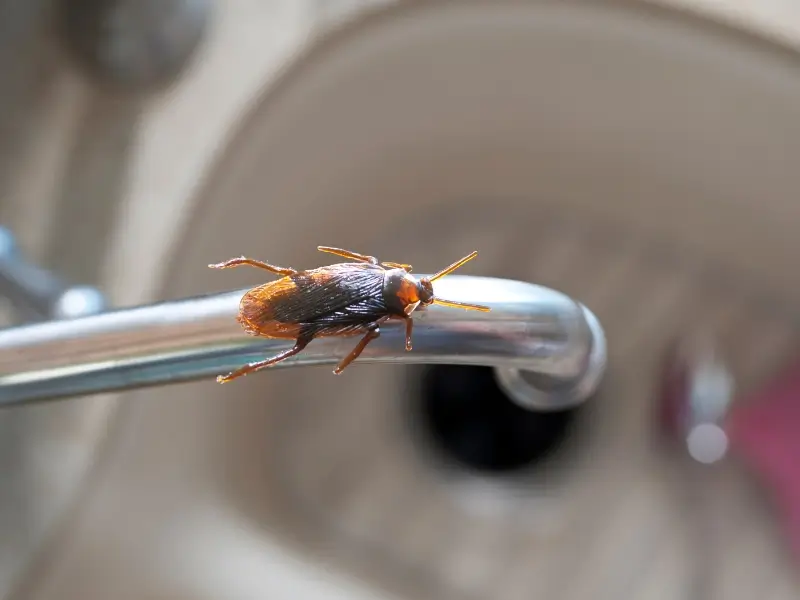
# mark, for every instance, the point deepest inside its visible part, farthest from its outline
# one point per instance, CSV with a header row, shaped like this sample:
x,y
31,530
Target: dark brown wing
x,y
333,300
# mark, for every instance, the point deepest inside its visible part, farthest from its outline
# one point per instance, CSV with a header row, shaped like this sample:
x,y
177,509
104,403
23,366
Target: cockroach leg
x,y
409,329
237,262
394,265
299,345
364,258
373,332
349,254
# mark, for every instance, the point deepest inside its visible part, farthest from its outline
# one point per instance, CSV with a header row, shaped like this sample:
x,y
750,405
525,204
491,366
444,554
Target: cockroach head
x,y
425,288
425,291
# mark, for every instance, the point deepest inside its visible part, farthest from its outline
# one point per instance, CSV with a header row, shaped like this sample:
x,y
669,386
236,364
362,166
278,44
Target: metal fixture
x,y
530,328
698,390
697,395
38,295
134,44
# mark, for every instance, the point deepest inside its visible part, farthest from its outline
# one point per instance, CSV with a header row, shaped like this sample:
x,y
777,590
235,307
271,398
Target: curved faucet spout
x,y
549,351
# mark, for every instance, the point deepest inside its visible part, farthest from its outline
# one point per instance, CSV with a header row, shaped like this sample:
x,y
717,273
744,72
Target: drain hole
x,y
468,419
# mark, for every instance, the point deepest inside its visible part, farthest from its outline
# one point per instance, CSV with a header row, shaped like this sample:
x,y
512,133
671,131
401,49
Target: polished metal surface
x,y
703,393
529,328
37,294
697,394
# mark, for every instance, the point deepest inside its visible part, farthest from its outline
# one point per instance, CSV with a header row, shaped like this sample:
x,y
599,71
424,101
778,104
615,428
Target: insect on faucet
x,y
547,350
345,299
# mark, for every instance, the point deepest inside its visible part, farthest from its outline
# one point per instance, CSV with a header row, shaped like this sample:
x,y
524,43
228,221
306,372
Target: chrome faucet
x,y
37,294
548,350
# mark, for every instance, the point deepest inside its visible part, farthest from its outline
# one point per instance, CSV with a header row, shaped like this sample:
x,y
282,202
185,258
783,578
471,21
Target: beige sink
x,y
642,161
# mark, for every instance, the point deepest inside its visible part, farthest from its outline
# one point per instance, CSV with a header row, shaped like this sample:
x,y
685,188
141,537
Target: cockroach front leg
x,y
409,329
237,262
373,332
299,345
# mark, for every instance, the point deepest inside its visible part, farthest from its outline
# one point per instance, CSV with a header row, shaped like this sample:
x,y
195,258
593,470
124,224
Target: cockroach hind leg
x,y
298,347
227,264
243,260
231,376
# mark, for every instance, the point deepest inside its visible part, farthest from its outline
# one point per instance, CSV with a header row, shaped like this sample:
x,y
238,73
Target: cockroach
x,y
345,299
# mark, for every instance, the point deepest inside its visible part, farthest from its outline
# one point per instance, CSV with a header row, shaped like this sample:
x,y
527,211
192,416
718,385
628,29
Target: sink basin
x,y
639,160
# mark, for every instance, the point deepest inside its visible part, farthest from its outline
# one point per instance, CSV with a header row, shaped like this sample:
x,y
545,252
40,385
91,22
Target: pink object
x,y
673,409
764,432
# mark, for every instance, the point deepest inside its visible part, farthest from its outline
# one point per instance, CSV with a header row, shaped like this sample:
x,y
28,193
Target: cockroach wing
x,y
325,301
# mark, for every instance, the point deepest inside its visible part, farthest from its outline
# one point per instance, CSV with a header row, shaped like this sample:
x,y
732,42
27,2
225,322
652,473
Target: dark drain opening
x,y
467,418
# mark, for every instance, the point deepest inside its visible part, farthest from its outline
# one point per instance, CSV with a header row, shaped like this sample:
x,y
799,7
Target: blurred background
x,y
638,156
